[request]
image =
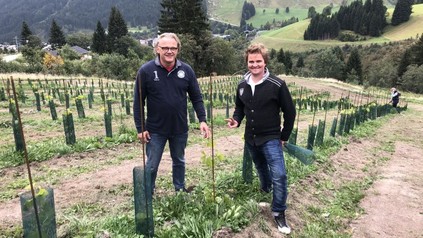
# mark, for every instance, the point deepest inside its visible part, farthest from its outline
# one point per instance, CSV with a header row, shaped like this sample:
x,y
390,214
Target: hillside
x,y
230,10
80,15
291,37
71,15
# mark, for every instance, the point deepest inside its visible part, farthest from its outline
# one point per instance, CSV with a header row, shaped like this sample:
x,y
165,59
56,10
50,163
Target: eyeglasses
x,y
166,49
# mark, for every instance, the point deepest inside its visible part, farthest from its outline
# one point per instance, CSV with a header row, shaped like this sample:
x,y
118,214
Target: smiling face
x,y
167,49
256,65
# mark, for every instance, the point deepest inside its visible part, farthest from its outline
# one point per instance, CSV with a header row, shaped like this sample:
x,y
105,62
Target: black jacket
x,y
166,94
263,110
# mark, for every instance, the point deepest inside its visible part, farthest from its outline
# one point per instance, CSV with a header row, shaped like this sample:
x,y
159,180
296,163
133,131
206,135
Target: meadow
x,y
291,36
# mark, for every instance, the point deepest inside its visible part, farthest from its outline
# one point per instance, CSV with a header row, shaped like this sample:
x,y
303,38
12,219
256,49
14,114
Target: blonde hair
x,y
166,35
257,48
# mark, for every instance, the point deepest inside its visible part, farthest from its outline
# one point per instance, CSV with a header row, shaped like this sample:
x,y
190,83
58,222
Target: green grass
x,y
227,11
230,11
409,29
291,37
329,220
261,18
137,29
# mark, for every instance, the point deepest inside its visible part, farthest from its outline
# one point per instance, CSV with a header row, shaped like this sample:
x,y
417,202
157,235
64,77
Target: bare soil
x,y
393,206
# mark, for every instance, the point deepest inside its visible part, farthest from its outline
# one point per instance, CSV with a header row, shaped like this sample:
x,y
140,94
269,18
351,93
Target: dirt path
x,y
394,205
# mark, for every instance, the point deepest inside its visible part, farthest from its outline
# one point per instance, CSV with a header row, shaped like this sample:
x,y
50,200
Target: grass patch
x,y
329,220
46,150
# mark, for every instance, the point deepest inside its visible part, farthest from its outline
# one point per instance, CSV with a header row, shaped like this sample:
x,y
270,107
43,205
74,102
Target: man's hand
x,y
232,123
144,137
205,131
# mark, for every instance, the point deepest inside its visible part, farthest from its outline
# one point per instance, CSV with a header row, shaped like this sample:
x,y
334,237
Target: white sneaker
x,y
282,225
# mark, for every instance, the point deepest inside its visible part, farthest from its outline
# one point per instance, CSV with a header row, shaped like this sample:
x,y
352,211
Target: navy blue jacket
x,y
263,110
166,94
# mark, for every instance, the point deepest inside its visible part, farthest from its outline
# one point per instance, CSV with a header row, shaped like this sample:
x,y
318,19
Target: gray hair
x,y
166,35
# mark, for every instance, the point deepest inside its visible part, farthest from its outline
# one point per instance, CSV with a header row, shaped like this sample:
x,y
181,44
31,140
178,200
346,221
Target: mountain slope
x,y
291,37
71,15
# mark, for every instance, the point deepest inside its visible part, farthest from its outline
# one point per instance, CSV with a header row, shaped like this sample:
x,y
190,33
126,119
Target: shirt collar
x,y
247,76
157,62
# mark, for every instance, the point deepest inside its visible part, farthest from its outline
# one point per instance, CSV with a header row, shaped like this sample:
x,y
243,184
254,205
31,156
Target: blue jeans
x,y
154,149
270,164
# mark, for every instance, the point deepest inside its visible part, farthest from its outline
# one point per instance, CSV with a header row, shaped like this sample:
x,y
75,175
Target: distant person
x,y
395,95
166,83
261,97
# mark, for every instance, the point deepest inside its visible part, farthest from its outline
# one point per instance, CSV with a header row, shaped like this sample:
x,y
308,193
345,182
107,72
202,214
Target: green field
x,y
230,12
262,18
409,29
226,11
290,37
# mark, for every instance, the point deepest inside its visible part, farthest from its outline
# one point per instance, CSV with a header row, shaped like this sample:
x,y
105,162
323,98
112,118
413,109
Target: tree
x,y
280,57
402,12
243,24
417,50
277,11
33,57
25,33
287,9
99,40
117,28
57,38
412,80
67,53
183,17
221,57
33,41
311,12
322,27
52,63
354,63
382,74
80,39
126,43
267,26
300,62
404,63
272,53
327,65
288,62
187,17
327,11
115,66
248,10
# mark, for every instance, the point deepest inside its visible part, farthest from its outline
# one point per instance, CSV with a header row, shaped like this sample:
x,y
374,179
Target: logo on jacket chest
x,y
156,77
181,74
241,91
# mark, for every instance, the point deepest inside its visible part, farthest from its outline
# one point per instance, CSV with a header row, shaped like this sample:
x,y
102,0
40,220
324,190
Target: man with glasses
x,y
164,85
